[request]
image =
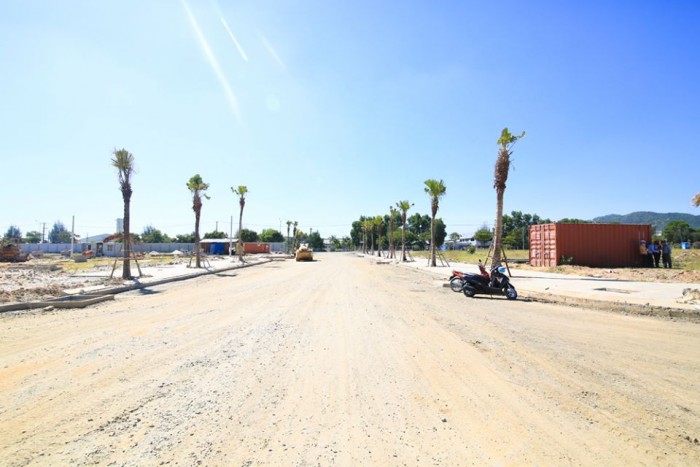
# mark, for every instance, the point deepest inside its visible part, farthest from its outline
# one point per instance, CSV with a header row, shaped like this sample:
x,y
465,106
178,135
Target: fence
x,y
115,249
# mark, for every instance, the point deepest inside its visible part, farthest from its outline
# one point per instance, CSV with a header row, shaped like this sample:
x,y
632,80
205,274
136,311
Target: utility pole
x,y
43,229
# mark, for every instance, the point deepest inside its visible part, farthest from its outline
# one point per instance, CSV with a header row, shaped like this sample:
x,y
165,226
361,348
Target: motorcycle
x,y
495,283
458,278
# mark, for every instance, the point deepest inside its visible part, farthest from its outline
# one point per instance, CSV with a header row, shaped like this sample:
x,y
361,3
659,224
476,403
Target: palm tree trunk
x,y
289,246
498,233
403,240
240,234
433,263
197,214
126,239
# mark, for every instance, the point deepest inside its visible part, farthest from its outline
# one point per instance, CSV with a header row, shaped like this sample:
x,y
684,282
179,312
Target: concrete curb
x,y
613,306
70,301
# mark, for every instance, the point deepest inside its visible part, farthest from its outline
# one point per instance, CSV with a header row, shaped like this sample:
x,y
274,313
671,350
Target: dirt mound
x,y
31,294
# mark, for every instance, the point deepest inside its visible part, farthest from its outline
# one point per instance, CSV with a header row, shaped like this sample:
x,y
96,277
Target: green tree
x,y
152,235
13,232
483,235
419,223
403,206
294,241
377,225
573,220
346,243
516,228
500,176
33,237
58,233
316,242
440,232
677,231
367,226
390,231
289,246
454,238
197,187
123,161
215,234
241,192
271,235
184,238
435,190
334,242
247,235
357,232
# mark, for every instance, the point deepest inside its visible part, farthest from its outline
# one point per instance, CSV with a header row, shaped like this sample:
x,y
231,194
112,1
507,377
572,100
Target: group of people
x,y
653,252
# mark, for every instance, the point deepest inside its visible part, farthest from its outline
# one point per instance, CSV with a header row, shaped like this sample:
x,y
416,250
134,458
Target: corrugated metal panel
x,y
597,245
543,250
253,248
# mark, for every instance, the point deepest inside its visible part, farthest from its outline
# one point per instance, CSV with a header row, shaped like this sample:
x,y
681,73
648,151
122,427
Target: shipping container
x,y
253,248
593,245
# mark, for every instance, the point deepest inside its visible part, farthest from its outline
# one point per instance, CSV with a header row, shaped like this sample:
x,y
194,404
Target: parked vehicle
x,y
304,253
458,278
495,283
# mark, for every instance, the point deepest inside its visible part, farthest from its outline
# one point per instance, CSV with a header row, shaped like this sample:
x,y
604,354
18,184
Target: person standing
x,y
666,254
643,252
650,254
656,252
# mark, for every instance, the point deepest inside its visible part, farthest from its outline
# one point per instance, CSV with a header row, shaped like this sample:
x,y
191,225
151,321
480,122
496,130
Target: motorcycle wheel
x,y
511,293
456,284
469,291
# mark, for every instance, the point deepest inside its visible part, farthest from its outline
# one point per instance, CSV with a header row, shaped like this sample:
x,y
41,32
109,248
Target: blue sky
x,y
329,110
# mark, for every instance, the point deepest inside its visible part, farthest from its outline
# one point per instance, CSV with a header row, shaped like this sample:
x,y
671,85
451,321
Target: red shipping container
x,y
252,248
593,245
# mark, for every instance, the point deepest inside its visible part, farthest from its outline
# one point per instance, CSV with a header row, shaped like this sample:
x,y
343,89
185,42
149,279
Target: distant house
x,y
465,242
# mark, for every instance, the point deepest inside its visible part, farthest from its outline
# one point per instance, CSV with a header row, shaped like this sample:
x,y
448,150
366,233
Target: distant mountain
x,y
656,219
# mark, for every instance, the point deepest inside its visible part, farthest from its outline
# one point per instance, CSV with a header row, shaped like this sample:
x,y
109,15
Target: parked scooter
x,y
495,283
458,278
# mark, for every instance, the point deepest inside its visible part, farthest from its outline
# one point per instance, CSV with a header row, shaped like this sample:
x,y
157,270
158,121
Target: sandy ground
x,y
46,278
343,362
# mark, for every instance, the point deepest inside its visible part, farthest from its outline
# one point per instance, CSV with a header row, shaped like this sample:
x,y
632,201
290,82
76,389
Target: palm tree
x,y
436,190
241,192
454,236
390,231
296,233
124,163
289,246
500,176
197,186
403,206
377,223
367,228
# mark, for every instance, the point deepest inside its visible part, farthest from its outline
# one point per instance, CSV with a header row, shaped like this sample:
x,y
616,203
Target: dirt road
x,y
343,362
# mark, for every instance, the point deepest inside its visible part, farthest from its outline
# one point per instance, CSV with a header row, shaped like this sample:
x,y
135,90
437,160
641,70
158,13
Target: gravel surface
x,y
342,361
